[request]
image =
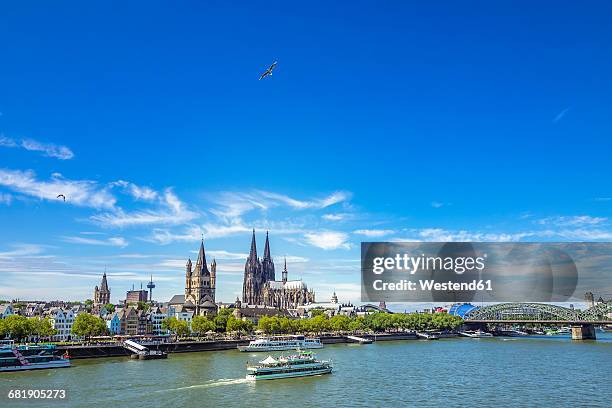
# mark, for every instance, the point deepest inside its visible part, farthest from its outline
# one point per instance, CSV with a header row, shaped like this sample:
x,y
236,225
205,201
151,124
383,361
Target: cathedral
x,y
260,286
200,284
102,294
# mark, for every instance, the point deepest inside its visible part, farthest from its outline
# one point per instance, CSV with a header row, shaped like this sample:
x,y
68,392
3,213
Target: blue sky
x,y
382,121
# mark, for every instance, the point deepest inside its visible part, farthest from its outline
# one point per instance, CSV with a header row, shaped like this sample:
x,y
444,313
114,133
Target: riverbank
x,y
116,350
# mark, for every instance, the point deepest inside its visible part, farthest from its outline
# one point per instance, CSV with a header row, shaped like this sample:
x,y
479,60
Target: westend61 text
x,y
430,284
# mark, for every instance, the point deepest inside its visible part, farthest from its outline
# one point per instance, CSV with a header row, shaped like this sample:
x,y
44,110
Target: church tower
x,y
285,272
102,294
267,265
252,276
199,281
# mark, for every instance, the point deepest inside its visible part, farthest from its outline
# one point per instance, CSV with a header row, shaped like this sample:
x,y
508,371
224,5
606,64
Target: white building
x,y
158,315
6,310
181,313
62,321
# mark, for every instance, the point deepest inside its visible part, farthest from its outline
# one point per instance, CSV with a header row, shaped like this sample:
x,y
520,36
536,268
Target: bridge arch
x,y
598,312
521,311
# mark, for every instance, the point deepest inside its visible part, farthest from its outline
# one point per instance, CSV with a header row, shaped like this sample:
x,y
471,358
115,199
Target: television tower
x,y
151,285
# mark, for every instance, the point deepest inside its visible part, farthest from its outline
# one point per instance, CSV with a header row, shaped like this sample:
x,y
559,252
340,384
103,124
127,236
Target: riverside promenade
x,y
117,350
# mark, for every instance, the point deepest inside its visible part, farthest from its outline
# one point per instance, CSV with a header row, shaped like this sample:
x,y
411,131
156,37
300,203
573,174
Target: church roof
x,y
177,300
293,284
208,304
104,285
201,266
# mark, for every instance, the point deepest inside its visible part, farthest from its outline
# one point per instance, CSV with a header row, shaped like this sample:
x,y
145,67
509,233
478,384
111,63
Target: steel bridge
x,y
540,313
582,322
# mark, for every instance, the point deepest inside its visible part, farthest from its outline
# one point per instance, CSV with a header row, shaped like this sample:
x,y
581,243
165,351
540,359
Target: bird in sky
x,y
62,196
268,71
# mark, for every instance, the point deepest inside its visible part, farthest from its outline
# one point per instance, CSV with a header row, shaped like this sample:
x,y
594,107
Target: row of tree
x,y
18,327
318,323
375,322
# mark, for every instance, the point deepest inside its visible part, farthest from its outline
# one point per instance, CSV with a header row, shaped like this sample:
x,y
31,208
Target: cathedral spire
x,y
267,248
253,254
201,266
285,271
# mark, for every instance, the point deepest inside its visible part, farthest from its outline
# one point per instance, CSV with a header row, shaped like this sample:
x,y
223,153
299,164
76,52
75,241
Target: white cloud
x,y
172,211
328,240
560,115
113,241
373,232
437,204
47,149
6,198
7,142
572,221
83,193
335,217
138,192
442,235
231,205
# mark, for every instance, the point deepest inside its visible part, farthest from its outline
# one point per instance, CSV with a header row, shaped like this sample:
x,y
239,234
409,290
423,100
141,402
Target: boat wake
x,y
210,384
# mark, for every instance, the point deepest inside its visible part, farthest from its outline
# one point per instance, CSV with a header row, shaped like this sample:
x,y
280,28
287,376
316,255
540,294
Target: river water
x,y
534,371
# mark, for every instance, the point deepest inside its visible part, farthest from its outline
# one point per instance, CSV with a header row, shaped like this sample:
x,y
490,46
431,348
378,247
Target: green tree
x,y
168,323
201,325
356,324
221,319
87,325
178,327
317,312
110,308
340,323
181,328
143,306
42,327
17,327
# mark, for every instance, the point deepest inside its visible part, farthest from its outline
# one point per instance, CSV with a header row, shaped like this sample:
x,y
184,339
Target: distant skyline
x,y
382,122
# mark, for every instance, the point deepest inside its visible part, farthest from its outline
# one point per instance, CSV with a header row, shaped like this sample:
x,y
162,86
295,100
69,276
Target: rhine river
x,y
533,371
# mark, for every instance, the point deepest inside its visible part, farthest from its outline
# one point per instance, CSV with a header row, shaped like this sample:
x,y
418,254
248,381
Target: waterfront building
x,y
6,310
200,286
62,321
113,323
181,313
102,294
157,315
260,286
128,321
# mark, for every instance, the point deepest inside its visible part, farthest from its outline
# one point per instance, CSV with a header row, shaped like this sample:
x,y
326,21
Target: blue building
x,y
113,323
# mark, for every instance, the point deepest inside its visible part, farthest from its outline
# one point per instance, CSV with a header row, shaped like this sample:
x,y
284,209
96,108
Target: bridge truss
x,y
538,311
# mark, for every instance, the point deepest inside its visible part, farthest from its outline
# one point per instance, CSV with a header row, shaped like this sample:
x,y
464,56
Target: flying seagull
x,y
62,196
268,71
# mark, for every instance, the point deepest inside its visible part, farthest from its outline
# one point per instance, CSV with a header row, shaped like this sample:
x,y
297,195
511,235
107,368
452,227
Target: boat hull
x,y
280,348
38,366
278,376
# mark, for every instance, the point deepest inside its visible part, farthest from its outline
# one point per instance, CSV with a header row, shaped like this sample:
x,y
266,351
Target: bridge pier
x,y
583,332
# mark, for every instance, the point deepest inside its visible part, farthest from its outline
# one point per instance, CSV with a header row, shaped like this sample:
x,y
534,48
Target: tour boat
x,y
280,343
478,334
31,357
302,364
